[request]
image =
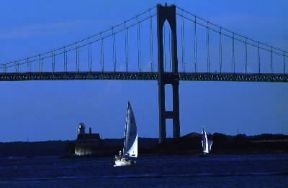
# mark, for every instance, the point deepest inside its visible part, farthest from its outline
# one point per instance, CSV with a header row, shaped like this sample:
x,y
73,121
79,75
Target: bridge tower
x,y
167,13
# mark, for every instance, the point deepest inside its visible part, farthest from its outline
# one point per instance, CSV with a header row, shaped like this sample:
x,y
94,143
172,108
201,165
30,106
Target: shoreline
x,y
187,145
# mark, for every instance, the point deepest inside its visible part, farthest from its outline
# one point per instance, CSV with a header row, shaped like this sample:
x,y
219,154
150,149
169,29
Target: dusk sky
x,y
51,110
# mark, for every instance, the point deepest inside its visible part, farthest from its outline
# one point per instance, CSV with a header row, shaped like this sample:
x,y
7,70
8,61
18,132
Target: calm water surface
x,y
150,171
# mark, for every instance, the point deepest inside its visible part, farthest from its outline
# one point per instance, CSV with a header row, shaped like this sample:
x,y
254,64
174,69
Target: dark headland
x,y
188,144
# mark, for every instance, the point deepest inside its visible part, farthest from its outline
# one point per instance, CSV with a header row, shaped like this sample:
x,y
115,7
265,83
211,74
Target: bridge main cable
x,y
80,43
262,48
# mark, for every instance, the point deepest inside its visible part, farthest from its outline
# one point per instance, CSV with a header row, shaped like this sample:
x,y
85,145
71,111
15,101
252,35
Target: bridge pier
x,y
167,13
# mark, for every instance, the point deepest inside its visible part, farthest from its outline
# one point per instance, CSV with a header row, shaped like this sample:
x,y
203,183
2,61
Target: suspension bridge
x,y
164,43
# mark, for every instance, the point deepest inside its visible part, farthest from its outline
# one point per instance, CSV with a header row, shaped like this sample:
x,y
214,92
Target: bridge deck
x,y
247,77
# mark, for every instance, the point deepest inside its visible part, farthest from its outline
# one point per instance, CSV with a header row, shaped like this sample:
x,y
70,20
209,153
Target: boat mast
x,y
126,127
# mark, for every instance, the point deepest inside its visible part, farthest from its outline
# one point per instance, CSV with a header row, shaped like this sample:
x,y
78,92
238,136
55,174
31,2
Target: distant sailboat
x,y
130,149
206,143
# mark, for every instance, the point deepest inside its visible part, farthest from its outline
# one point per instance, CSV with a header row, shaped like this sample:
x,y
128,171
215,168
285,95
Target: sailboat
x,y
129,153
206,143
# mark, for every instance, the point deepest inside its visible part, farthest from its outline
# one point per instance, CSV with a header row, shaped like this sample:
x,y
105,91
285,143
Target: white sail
x,y
210,145
206,144
133,151
130,148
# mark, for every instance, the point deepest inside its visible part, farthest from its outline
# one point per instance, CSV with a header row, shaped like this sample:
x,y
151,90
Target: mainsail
x,y
206,144
130,134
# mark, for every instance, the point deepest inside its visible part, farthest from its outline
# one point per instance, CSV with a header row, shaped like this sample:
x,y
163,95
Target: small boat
x,y
206,143
130,149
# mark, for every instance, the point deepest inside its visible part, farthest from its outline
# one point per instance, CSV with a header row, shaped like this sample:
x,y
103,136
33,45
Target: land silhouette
x,y
188,144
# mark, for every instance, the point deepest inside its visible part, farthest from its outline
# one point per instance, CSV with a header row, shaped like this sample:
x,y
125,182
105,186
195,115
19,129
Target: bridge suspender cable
x,y
17,64
102,57
114,51
53,62
39,63
65,59
28,65
42,63
195,43
17,67
182,45
220,49
246,56
233,52
37,66
151,44
4,68
139,45
208,47
251,42
90,58
126,48
259,46
271,59
259,60
77,59
284,63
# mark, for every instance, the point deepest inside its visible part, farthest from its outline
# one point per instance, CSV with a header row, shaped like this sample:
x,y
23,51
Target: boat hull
x,y
123,162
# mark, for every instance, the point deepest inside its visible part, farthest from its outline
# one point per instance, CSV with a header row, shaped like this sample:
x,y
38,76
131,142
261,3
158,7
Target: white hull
x,y
123,162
